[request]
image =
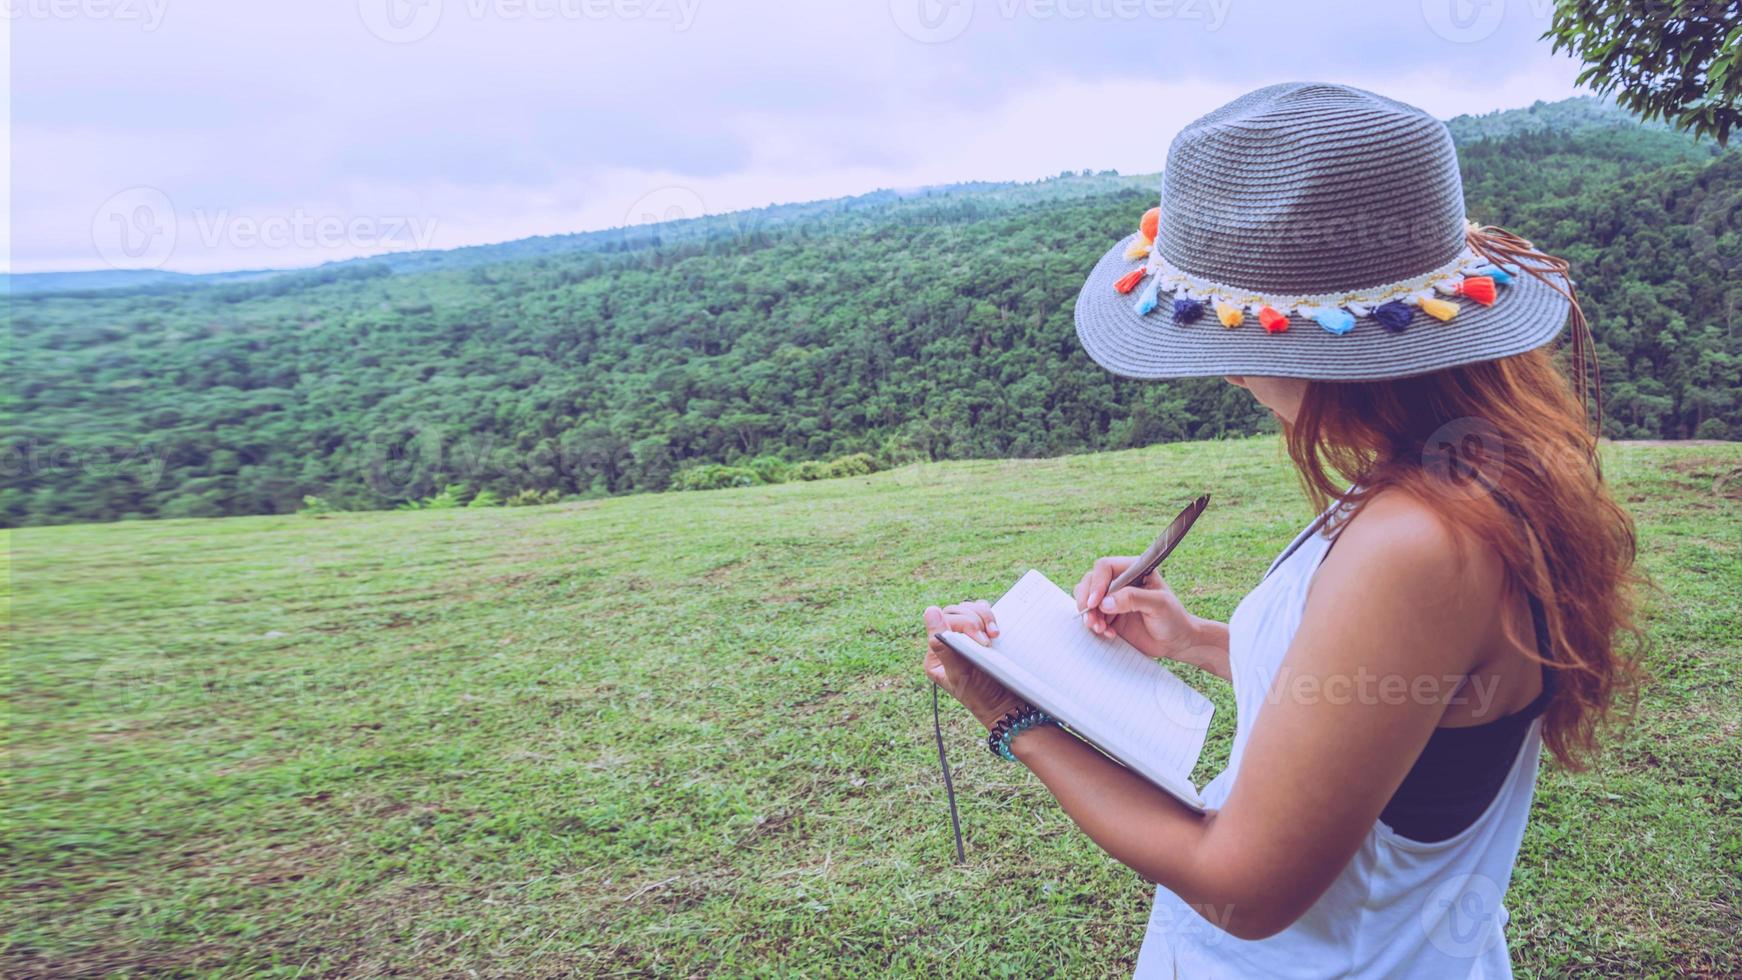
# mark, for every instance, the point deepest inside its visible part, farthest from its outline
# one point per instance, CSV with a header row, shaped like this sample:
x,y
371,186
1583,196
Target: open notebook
x,y
1125,704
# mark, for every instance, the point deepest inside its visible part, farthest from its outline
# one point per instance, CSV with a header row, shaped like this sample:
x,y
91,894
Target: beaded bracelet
x,y
1002,725
1019,720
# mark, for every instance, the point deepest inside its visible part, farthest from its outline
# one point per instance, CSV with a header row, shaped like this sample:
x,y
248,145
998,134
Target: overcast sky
x,y
202,135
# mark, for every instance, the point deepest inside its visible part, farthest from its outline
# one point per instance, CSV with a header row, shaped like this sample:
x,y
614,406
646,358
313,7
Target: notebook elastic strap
x,y
937,728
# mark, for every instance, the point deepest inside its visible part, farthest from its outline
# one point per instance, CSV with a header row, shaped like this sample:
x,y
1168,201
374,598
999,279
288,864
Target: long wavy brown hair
x,y
1503,451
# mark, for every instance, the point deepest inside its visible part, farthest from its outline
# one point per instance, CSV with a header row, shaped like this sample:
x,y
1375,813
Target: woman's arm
x,y
1395,619
1151,618
1208,649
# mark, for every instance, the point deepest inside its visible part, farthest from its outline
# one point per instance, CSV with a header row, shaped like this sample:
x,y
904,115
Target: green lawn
x,y
687,733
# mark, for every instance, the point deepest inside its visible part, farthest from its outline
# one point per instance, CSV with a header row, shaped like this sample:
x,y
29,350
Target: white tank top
x,y
1401,908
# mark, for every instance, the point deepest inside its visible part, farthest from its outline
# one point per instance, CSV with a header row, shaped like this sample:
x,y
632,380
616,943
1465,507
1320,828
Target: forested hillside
x,y
908,327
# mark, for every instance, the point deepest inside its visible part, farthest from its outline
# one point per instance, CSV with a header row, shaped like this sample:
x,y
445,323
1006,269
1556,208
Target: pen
x,y
1163,546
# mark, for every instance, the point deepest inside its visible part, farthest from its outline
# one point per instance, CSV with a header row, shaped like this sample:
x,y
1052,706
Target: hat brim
x,y
1526,315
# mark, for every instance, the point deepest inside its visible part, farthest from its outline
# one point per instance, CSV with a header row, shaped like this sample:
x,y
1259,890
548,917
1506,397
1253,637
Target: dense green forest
x,y
904,327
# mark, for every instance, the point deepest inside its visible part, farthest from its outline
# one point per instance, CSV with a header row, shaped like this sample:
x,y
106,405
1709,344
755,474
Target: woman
x,y
1393,690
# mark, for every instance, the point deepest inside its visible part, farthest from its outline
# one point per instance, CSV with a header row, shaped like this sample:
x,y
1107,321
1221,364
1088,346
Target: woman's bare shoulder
x,y
1403,534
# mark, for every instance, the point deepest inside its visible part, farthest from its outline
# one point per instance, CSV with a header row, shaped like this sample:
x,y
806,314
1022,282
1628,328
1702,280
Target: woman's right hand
x,y
1145,613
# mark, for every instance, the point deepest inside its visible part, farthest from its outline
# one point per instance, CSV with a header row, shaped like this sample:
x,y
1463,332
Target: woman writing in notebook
x,y
1458,604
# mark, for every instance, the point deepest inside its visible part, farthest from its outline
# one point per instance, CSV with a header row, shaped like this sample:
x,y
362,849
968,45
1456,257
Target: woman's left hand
x,y
976,689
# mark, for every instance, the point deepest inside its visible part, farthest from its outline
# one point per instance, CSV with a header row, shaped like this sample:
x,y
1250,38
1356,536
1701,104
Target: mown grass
x,y
687,733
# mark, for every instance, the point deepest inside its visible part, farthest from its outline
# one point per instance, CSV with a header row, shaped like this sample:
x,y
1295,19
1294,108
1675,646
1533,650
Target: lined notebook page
x,y
1142,711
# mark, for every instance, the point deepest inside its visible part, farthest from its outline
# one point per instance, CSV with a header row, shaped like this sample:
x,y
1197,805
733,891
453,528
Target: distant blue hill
x,y
26,283
722,227
1569,115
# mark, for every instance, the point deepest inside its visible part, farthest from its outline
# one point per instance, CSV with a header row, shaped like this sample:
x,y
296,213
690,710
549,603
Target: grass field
x,y
687,733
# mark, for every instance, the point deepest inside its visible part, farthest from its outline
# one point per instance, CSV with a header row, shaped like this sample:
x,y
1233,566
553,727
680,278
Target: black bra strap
x,y
1539,622
1538,614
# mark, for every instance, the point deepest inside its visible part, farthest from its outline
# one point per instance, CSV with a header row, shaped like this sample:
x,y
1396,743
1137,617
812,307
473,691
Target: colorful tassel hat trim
x,y
1149,298
1394,316
1479,288
1393,305
1439,308
1338,322
1129,280
1144,244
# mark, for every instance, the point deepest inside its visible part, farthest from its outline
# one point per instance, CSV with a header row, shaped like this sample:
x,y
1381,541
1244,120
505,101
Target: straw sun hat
x,y
1316,231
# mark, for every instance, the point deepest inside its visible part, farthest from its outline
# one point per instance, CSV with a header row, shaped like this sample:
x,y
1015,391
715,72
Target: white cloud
x,y
496,127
